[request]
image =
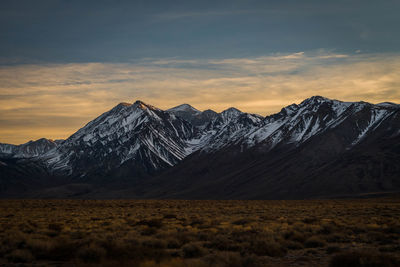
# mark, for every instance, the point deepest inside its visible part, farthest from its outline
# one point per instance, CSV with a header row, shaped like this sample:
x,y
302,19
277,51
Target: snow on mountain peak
x,y
315,100
230,113
290,109
295,124
232,110
225,116
143,134
184,108
388,105
28,150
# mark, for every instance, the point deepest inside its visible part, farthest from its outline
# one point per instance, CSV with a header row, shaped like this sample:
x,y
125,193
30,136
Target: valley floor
x,y
200,233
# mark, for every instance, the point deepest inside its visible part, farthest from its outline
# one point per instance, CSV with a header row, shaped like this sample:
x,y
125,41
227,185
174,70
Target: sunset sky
x,y
63,63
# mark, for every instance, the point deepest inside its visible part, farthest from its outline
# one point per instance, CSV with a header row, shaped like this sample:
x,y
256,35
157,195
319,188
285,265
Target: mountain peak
x,y
124,104
388,105
290,109
139,102
184,107
230,113
209,111
316,99
40,140
141,105
231,110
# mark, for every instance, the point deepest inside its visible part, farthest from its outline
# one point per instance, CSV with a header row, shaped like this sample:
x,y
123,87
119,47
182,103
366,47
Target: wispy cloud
x,y
208,13
55,100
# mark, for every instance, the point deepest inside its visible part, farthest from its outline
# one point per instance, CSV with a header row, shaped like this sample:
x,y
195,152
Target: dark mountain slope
x,y
318,148
326,165
195,117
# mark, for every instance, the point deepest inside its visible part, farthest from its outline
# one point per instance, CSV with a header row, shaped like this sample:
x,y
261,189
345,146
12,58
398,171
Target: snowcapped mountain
x,y
296,124
28,150
215,130
318,148
231,148
197,118
149,139
145,139
184,108
227,128
138,135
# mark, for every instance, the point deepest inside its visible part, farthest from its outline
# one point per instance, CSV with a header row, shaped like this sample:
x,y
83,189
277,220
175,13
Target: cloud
x,y
167,16
55,100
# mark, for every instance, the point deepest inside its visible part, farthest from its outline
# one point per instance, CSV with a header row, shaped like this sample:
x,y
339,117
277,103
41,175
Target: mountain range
x,y
319,148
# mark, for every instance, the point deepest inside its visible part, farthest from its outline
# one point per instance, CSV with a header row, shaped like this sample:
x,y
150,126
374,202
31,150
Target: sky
x,y
63,63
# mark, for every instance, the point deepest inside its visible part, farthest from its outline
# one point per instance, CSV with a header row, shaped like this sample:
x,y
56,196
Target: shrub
x,y
326,229
76,235
231,259
149,231
295,236
156,223
293,245
20,256
154,243
310,220
62,249
205,235
223,243
170,216
54,249
394,248
57,227
13,240
267,248
52,233
173,243
91,253
364,259
314,242
393,229
332,249
197,222
242,221
192,250
25,228
336,238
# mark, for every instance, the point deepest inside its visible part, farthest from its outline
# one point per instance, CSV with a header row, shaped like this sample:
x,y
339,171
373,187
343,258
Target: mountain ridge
x,y
141,144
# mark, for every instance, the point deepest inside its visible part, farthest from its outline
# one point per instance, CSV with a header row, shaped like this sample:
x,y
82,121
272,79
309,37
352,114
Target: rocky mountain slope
x,y
28,150
137,138
197,118
318,148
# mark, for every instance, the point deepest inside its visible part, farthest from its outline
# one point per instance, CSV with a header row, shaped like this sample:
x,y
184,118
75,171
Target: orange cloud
x,y
54,101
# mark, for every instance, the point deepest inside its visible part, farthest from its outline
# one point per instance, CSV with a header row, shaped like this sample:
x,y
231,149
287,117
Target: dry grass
x,y
200,233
